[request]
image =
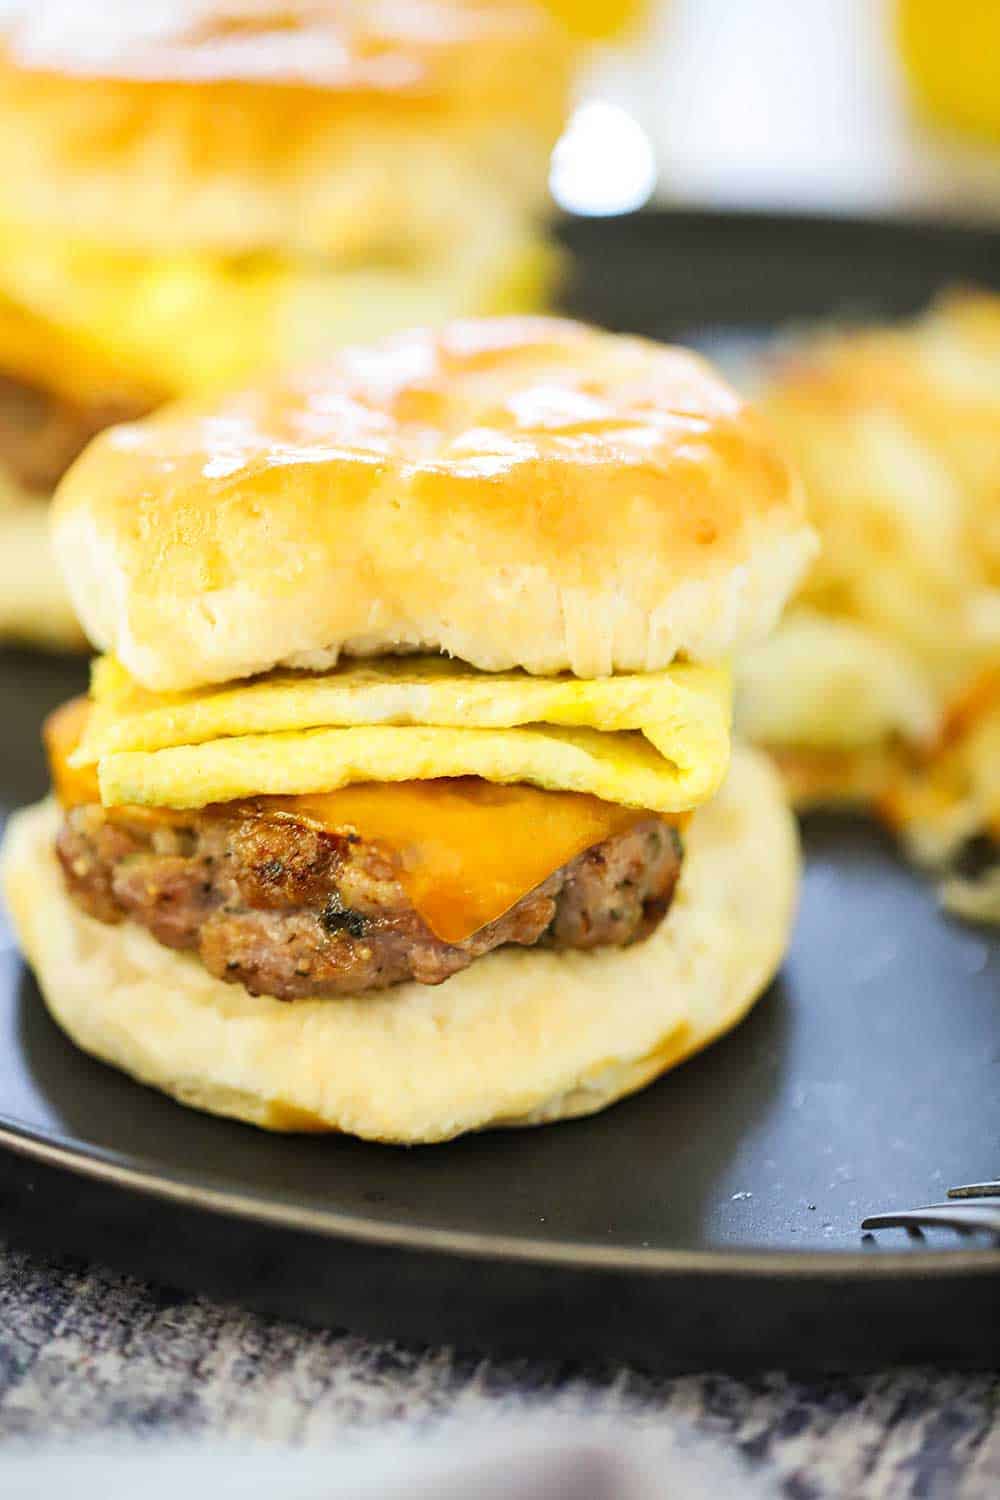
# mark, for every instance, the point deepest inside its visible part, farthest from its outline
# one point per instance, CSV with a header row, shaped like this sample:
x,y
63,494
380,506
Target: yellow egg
x,y
657,740
184,324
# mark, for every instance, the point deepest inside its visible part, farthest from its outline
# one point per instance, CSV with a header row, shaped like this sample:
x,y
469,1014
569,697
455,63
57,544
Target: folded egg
x,y
656,740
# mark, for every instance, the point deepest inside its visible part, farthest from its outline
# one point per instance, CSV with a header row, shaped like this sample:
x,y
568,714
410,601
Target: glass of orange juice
x,y
592,20
951,53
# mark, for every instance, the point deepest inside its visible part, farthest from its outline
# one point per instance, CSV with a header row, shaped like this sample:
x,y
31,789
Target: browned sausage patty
x,y
42,433
289,911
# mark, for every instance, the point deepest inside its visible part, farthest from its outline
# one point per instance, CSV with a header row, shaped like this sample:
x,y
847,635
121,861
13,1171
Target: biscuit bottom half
x,y
523,1037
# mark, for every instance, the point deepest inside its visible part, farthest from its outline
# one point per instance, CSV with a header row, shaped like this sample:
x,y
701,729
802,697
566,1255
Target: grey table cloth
x,y
87,1354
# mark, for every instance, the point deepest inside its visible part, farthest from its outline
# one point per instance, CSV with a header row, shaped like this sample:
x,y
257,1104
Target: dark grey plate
x,y
712,1219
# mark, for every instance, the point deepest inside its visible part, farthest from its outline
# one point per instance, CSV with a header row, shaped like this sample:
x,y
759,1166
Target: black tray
x,y
714,1218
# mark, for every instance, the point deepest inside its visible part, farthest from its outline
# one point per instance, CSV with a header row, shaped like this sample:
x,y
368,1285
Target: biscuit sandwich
x,y
403,802
194,191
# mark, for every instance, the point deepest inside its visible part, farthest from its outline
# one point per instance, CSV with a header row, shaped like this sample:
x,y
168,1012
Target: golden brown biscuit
x,y
316,127
513,492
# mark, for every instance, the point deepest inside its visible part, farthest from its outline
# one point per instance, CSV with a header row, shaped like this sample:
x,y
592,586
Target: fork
x,y
976,1205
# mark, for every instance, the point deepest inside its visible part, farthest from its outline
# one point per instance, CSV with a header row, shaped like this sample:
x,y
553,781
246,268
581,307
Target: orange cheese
x,y
464,850
62,732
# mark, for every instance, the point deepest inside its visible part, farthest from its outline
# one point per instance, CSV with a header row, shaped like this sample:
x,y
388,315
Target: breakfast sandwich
x,y
875,688
402,803
197,190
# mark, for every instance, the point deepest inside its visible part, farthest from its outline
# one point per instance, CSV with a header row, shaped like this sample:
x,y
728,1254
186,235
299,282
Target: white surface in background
x,y
785,104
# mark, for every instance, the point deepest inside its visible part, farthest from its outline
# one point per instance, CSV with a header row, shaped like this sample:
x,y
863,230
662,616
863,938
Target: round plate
x,y
711,1219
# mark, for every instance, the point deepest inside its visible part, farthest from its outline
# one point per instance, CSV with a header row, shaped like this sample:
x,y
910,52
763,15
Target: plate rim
x,y
141,1176
655,216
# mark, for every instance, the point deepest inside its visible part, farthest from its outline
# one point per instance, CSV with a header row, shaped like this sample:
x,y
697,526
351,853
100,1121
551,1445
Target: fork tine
x,y
976,1190
958,1215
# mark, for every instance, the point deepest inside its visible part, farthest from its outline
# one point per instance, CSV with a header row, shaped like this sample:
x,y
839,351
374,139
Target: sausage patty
x,y
41,433
290,911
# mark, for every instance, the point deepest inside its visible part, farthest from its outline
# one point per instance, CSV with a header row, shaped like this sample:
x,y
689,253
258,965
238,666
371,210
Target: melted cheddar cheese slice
x,y
465,851
656,741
